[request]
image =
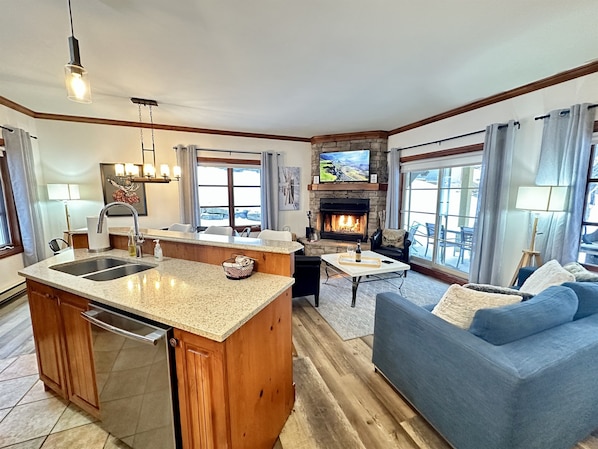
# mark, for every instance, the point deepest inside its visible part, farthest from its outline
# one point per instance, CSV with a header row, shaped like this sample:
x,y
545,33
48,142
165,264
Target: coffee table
x,y
372,265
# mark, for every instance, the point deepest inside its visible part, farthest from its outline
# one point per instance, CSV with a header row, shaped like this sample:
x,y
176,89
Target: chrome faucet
x,y
138,237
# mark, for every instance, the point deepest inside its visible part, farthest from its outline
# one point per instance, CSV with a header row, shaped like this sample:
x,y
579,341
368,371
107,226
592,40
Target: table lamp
x,y
538,199
64,193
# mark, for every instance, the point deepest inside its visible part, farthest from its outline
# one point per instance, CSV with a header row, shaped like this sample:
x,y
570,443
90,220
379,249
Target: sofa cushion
x,y
393,238
580,273
458,305
551,273
552,307
587,295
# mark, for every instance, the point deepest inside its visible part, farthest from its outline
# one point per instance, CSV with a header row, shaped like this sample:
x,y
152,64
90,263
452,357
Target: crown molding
x,y
369,135
561,77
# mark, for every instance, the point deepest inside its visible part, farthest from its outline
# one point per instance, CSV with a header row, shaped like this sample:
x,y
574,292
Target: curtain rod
x,y
563,112
12,131
454,137
230,151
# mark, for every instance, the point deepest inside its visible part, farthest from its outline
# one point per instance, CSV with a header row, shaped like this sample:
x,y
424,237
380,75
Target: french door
x,y
439,210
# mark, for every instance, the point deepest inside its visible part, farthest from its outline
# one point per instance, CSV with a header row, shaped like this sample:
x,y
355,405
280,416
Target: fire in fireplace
x,y
344,218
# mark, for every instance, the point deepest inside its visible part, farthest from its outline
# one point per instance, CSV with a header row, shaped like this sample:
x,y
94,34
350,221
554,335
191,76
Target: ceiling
x,y
302,68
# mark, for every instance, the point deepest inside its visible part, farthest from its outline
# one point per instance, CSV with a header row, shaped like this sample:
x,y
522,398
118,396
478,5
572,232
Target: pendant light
x,y
75,76
131,171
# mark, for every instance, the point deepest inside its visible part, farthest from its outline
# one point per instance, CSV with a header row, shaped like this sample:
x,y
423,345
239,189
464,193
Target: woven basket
x,y
235,270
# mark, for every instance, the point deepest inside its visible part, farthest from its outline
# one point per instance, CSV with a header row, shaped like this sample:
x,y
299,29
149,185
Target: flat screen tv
x,y
345,166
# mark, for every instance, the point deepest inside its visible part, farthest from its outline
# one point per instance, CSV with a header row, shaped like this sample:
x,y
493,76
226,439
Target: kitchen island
x,y
232,337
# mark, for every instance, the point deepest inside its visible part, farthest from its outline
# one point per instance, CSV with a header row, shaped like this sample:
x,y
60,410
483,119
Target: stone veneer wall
x,y
378,146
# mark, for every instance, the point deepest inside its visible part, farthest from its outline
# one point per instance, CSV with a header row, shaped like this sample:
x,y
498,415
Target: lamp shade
x,y
63,192
542,198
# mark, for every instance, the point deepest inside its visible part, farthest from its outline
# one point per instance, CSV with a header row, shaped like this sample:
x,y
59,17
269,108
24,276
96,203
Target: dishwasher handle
x,y
152,338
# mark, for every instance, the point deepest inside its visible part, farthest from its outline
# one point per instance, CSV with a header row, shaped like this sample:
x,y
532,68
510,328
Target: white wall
x,y
10,265
72,152
527,145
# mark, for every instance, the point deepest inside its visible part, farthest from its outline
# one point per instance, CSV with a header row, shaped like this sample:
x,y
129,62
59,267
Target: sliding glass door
x,y
438,210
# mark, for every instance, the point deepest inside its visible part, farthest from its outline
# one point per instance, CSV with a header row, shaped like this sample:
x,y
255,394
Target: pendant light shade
x,y
76,80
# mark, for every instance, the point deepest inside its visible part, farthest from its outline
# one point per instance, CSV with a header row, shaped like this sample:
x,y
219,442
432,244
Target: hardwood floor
x,y
341,402
16,337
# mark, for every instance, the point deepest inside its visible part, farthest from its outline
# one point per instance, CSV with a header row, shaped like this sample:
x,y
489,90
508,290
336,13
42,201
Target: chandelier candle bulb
x,y
176,171
119,169
149,170
165,170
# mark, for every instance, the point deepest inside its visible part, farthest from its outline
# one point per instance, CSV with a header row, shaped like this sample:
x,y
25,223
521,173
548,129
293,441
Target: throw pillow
x,y
587,295
549,274
580,273
393,238
458,305
502,290
550,308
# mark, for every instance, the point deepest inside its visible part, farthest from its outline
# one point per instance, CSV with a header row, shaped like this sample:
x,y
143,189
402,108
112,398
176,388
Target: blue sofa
x,y
539,391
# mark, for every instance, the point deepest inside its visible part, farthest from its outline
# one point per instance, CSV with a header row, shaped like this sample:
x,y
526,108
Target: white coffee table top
x,y
355,270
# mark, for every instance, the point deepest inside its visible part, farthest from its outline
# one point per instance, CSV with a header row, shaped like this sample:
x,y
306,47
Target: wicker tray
x,y
346,259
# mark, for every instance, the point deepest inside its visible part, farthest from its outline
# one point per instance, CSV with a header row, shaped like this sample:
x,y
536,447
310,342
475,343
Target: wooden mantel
x,y
348,186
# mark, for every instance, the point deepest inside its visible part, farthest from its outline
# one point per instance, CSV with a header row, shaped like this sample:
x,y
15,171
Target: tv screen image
x,y
350,166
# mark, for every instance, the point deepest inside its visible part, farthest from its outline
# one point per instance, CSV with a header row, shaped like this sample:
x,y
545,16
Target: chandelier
x,y
148,155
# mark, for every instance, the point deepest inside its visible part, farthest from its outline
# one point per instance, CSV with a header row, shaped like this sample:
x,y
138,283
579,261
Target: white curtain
x,y
269,190
564,161
188,185
19,154
493,201
393,195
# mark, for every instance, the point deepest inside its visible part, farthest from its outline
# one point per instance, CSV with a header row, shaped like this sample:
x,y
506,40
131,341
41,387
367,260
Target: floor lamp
x,y
537,199
64,193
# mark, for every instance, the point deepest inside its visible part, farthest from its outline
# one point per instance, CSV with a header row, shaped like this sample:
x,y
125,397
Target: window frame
x,y
589,180
230,165
456,157
11,210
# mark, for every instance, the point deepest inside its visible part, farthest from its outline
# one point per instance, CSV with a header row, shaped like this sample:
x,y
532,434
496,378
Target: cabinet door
x,y
202,397
47,332
79,353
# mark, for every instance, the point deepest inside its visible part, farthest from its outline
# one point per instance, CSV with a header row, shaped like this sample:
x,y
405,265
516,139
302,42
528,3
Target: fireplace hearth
x,y
344,218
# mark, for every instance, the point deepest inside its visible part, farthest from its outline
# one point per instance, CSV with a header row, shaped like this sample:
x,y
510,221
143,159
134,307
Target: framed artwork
x,y
123,190
288,188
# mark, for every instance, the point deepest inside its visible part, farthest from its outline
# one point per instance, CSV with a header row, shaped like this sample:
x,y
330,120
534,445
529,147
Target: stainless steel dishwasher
x,y
134,376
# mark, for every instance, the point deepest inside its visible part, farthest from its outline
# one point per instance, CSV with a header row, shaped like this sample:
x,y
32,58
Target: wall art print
x,y
123,190
289,183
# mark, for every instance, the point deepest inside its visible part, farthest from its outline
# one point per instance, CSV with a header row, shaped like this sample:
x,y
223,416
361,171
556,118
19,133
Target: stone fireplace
x,y
351,192
344,218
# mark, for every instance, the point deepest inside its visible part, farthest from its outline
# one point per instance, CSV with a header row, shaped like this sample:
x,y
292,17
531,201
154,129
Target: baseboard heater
x,y
12,292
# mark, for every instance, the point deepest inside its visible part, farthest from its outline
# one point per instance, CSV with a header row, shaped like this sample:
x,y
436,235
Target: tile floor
x,y
31,418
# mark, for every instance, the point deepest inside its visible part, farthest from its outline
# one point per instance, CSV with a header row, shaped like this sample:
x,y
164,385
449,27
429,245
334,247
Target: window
x,y
438,209
588,252
230,195
10,237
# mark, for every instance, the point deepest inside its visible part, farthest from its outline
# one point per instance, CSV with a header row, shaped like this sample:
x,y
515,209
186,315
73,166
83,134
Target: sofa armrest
x,y
523,395
376,239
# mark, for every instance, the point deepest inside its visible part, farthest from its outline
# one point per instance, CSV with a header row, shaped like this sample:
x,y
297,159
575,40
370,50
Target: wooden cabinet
x,y
48,336
237,393
63,344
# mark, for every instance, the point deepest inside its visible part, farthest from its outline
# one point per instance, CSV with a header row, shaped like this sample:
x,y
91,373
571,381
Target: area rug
x,y
353,322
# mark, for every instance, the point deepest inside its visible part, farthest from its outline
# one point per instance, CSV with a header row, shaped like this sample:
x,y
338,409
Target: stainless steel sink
x,y
89,266
118,272
102,268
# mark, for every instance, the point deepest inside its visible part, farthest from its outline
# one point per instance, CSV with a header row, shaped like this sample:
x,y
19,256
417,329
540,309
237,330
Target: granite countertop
x,y
268,246
192,296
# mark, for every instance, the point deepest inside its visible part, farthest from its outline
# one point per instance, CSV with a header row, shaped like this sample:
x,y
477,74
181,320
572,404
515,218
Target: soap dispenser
x,y
157,250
